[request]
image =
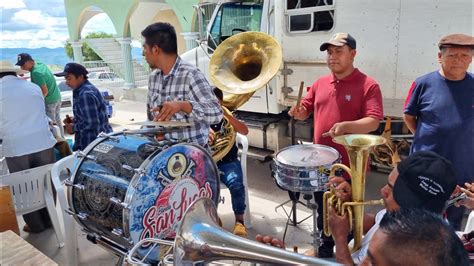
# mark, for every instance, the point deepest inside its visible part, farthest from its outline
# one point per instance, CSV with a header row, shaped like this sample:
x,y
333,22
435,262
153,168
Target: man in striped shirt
x,y
177,90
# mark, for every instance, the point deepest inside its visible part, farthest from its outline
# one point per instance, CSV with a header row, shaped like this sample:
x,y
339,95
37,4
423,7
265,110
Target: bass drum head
x,y
158,199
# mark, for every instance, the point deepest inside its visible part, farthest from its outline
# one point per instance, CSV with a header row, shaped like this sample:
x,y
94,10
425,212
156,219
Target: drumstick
x,y
300,93
292,121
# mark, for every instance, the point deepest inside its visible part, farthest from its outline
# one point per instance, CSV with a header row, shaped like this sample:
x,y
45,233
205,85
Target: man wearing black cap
x,y
343,102
439,111
42,76
89,107
424,180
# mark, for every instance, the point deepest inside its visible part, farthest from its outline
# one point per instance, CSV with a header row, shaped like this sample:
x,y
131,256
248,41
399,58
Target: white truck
x,y
396,42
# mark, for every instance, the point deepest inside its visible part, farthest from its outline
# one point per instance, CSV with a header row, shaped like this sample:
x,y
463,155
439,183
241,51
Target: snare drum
x,y
304,168
130,187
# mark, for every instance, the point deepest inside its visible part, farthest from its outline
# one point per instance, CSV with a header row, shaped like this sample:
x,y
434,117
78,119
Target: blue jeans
x,y
231,176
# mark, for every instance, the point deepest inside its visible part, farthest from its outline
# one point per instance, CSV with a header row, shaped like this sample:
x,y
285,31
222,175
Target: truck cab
x,y
396,42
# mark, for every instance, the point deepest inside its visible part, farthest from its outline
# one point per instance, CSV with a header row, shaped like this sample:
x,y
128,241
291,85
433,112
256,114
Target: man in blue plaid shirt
x,y
177,90
89,107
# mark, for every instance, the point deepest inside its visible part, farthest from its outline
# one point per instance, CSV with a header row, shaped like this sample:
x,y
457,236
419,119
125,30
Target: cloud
x,y
12,4
34,24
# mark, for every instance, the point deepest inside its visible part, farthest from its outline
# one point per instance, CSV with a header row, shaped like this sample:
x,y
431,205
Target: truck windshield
x,y
233,18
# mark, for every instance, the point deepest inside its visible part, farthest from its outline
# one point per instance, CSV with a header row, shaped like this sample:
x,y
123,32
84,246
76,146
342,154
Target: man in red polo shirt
x,y
343,102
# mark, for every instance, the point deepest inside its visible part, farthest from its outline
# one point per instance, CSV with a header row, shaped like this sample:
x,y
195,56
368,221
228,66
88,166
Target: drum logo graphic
x,y
161,219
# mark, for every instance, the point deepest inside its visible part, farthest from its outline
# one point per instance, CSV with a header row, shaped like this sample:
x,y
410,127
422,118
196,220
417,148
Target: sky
x,y
41,23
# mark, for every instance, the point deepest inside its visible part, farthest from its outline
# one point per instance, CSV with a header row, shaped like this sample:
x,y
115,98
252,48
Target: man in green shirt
x,y
42,76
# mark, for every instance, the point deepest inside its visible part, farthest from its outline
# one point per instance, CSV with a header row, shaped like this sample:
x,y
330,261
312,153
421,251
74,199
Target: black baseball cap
x,y
73,68
23,58
339,39
426,180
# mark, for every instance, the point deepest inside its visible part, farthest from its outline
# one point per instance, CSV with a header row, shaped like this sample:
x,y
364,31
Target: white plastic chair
x,y
31,192
66,165
3,166
243,144
470,223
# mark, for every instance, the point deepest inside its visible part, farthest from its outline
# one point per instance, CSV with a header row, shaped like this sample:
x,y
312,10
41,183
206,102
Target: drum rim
x,y
278,163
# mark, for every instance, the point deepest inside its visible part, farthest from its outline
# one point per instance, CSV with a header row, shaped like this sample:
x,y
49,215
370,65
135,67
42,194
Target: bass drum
x,y
129,187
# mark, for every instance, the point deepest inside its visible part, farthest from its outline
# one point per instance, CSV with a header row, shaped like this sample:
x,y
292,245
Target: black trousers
x,y
39,220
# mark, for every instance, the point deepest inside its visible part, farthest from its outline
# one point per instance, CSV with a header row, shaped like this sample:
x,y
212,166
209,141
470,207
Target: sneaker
x,y
240,230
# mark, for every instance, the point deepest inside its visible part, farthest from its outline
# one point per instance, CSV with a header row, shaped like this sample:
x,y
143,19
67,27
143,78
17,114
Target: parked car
x,y
66,99
101,79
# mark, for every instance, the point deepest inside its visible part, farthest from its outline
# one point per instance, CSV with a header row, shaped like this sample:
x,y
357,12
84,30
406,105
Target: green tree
x,y
87,52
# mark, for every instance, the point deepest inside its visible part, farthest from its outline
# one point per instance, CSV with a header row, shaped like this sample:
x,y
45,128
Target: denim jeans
x,y
231,176
53,111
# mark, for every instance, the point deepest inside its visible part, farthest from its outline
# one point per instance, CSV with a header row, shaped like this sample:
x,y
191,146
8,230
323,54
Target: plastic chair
x,y
243,144
31,192
3,166
470,223
67,165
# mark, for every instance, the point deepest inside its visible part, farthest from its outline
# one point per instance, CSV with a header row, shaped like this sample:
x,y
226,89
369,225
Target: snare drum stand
x,y
313,205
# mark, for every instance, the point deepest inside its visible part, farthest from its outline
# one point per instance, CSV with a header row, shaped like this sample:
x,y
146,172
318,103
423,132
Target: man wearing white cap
x,y
27,141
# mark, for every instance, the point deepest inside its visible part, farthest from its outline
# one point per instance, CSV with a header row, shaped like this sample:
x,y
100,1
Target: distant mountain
x,y
55,56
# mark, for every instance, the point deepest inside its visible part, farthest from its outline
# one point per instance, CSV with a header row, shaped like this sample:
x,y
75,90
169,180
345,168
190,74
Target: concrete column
x,y
127,62
77,52
191,39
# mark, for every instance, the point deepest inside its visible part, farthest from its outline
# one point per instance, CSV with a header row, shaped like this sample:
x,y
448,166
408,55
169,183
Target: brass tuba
x,y
241,65
358,147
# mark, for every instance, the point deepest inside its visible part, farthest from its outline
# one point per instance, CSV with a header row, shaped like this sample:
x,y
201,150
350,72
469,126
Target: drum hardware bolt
x,y
92,157
221,200
136,170
117,232
127,167
69,183
118,202
69,211
82,216
81,154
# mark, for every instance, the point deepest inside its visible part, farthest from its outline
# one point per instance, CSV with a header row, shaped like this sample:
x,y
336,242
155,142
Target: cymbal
x,y
165,124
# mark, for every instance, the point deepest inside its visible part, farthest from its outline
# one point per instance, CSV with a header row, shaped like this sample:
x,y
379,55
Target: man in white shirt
x,y
27,141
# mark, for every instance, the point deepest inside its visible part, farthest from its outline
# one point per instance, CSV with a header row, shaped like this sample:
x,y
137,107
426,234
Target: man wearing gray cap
x,y
343,102
439,111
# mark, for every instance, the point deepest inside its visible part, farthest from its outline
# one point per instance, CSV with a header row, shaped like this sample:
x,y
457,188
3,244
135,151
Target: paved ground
x,y
264,197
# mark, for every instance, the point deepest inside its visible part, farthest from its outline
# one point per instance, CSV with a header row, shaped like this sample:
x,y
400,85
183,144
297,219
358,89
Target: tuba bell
x,y
358,148
241,65
200,239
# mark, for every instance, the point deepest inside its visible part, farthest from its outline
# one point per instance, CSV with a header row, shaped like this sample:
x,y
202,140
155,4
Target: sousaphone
x,y
241,65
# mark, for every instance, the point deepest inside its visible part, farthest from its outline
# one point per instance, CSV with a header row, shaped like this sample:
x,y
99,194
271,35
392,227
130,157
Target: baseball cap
x,y
457,39
23,58
426,180
339,39
73,68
